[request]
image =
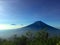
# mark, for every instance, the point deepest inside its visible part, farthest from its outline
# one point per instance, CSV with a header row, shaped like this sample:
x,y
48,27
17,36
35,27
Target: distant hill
x,y
36,26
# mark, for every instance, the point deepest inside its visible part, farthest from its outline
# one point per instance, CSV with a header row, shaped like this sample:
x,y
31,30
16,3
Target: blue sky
x,y
28,11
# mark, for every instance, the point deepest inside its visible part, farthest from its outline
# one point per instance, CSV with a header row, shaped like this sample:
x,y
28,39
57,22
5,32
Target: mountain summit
x,y
39,22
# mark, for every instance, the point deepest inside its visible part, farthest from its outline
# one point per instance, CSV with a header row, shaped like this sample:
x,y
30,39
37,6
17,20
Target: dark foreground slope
x,y
37,26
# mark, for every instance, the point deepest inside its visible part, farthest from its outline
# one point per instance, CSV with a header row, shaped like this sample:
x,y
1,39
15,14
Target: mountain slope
x,y
37,26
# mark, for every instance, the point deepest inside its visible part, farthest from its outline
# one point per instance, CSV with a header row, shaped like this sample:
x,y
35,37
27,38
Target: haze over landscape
x,y
29,22
25,12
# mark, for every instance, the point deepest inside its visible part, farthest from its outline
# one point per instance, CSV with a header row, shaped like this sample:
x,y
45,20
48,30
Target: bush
x,y
39,38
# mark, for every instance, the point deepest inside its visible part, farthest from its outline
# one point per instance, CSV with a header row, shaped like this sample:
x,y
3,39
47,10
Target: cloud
x,y
13,24
7,26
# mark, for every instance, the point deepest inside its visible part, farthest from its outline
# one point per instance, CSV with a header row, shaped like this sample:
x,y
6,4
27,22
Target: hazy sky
x,y
28,11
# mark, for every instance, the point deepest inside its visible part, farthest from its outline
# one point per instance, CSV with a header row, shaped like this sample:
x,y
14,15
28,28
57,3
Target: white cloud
x,y
7,26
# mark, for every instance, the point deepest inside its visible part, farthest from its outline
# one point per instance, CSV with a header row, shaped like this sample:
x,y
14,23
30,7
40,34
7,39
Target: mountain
x,y
39,25
34,27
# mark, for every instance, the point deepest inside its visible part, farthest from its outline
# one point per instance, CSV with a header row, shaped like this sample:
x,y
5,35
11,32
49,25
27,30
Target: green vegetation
x,y
38,38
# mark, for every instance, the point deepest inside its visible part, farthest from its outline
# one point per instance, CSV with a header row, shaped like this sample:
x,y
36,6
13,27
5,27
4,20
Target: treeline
x,y
39,38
